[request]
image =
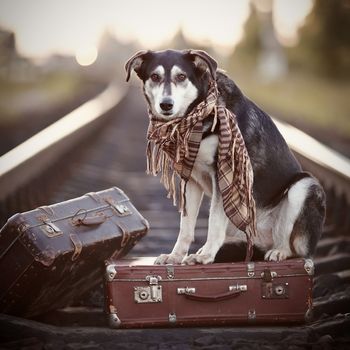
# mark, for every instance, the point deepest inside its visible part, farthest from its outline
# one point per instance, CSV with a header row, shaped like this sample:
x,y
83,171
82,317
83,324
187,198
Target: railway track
x,y
102,144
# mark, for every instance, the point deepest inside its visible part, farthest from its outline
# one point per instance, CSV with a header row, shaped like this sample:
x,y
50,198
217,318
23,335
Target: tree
x,y
249,47
324,44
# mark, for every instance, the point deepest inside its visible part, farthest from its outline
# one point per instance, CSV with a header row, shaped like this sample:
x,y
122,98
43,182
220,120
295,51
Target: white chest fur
x,y
204,167
207,150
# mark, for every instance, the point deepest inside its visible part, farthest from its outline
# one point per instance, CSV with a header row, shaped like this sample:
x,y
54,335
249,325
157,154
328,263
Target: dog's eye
x,y
181,77
155,77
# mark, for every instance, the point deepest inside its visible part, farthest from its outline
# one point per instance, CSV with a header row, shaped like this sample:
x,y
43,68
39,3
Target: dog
x,y
290,204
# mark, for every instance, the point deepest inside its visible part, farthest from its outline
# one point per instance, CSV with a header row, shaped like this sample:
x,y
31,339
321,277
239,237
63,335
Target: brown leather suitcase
x,y
139,294
51,255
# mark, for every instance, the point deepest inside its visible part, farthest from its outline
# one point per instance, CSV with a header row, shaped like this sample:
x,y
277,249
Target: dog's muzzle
x,y
166,105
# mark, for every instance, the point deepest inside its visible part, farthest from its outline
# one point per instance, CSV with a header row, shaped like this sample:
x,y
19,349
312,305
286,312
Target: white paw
x,y
194,259
276,255
168,259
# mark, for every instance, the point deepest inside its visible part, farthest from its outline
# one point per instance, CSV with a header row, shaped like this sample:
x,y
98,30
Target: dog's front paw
x,y
168,259
276,255
194,259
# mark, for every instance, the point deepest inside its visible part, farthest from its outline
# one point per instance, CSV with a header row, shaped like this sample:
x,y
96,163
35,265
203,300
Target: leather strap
x,y
95,196
47,210
250,250
78,246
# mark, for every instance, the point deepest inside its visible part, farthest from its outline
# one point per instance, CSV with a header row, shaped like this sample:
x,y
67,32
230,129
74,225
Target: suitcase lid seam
x,y
107,206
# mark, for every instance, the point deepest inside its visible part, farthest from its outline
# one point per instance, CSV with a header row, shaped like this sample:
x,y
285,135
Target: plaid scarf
x,y
172,149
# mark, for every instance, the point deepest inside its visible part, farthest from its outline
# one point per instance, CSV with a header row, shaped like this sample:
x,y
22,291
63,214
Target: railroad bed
x,y
114,155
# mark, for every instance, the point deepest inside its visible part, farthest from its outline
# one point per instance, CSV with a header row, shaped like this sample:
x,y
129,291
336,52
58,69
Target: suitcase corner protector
x,y
114,320
309,315
309,267
111,272
146,223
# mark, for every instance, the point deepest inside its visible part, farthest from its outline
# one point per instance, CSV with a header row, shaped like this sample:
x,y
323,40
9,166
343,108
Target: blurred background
x,y
291,57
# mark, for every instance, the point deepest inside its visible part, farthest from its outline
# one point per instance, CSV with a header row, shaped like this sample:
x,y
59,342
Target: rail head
x,y
329,166
28,159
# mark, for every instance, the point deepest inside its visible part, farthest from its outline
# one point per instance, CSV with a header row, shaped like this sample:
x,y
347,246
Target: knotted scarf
x,y
172,150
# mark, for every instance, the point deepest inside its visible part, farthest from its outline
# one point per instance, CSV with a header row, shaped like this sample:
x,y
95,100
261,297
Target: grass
x,y
317,101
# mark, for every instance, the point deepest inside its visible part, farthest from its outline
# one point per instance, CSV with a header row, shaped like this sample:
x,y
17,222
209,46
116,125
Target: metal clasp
x,y
172,317
271,289
251,269
170,272
251,314
275,290
268,275
151,293
120,208
50,229
153,279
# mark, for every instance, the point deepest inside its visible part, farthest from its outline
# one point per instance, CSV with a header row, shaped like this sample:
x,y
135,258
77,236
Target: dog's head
x,y
173,81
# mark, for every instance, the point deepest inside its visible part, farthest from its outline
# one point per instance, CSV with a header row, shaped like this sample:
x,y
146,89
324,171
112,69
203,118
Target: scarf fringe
x,y
157,161
215,121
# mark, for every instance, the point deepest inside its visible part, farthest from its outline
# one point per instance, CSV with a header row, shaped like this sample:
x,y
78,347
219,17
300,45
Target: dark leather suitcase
x,y
51,255
139,294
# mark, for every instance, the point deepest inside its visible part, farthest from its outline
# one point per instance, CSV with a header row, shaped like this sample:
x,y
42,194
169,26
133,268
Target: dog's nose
x,y
167,104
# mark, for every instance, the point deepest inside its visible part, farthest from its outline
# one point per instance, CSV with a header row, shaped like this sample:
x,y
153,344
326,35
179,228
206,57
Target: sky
x,y
45,27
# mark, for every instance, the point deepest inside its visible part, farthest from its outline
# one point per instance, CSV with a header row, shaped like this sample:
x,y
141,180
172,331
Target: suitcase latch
x,y
251,269
170,272
271,289
151,293
120,208
275,290
50,229
268,275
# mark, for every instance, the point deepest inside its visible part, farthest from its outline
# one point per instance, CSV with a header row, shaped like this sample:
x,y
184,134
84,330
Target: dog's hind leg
x,y
218,222
194,195
309,224
298,224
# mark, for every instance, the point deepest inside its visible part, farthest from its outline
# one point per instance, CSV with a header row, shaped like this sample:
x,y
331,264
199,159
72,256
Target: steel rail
x,y
31,157
329,166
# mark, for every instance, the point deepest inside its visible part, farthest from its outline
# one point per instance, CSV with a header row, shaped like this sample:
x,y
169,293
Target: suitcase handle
x,y
96,219
218,297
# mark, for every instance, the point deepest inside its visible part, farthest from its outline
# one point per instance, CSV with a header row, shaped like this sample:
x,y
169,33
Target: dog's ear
x,y
203,61
135,63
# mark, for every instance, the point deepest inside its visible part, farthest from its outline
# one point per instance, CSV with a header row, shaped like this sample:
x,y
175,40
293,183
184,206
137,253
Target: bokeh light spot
x,y
86,55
